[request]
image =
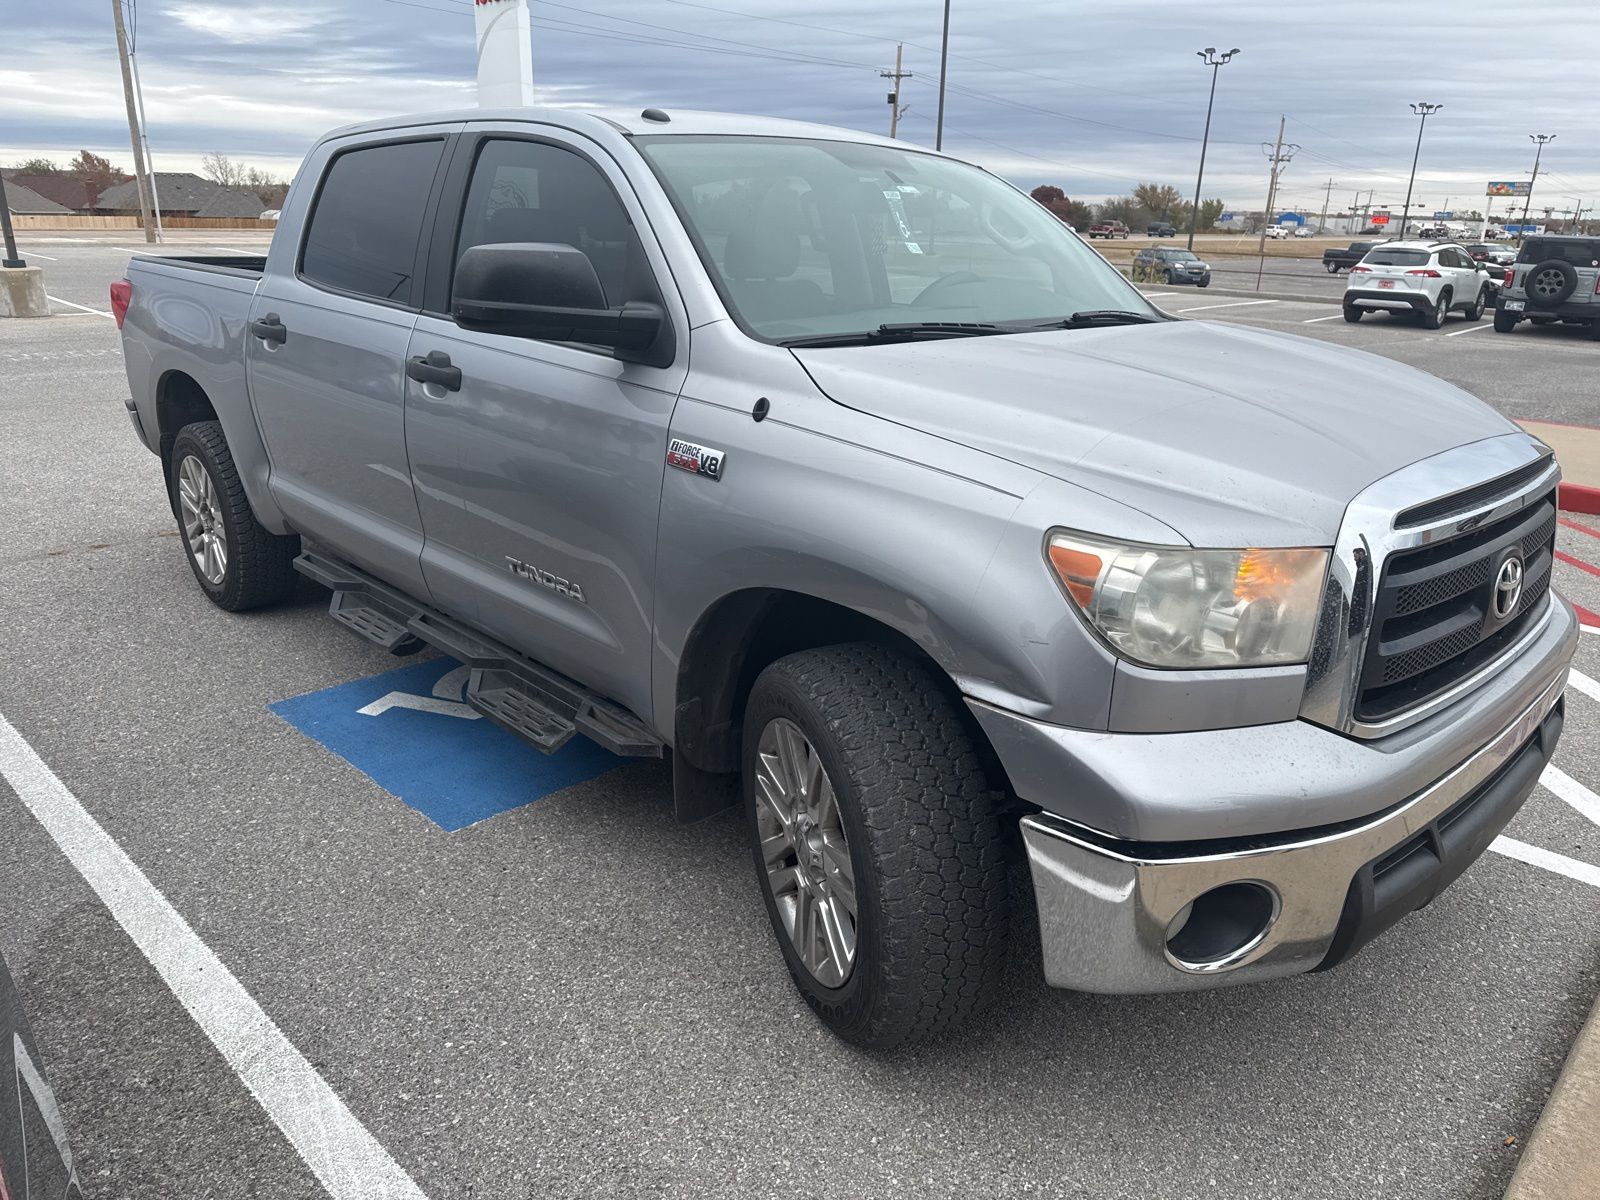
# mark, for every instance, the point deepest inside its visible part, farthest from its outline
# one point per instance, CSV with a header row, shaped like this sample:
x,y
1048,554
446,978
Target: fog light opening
x,y
1216,930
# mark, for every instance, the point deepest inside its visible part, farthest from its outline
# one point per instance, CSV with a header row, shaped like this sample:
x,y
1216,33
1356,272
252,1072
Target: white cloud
x,y
240,25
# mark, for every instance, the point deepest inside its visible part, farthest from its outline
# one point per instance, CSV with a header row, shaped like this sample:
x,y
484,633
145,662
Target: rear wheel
x,y
1504,322
1333,268
237,563
1434,318
1353,314
878,843
1475,313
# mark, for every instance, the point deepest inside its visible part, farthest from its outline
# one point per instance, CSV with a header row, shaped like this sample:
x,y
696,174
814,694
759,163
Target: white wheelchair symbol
x,y
446,700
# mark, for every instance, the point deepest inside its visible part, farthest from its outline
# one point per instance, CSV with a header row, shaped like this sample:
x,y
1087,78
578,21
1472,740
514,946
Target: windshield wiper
x,y
907,332
1098,316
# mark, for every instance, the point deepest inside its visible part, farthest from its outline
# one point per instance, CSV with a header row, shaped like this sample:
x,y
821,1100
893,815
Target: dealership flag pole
x,y
505,53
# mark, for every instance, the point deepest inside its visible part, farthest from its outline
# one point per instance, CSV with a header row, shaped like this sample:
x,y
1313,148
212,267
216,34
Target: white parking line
x,y
225,250
1589,687
1574,793
346,1158
1158,295
1470,329
1235,304
35,254
1314,320
1559,863
81,307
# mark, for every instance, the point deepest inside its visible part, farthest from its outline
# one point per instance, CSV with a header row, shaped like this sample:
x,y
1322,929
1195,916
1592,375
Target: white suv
x,y
1426,278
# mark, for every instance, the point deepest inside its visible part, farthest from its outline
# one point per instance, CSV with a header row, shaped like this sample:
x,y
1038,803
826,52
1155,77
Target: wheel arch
x,y
743,632
180,401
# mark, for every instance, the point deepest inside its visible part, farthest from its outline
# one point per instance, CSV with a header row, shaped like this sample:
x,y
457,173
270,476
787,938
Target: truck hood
x,y
1230,436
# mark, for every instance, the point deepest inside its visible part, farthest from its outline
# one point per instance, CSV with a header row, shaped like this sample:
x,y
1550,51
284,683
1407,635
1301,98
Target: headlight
x,y
1171,606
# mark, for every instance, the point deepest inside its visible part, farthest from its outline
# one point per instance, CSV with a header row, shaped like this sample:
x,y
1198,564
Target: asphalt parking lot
x,y
578,997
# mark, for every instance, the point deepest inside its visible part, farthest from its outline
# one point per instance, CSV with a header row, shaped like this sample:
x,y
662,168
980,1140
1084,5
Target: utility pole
x,y
133,124
1279,156
144,132
1327,196
1541,139
944,58
895,111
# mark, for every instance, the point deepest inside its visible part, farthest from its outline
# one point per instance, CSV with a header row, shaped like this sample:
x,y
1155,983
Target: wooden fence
x,y
64,221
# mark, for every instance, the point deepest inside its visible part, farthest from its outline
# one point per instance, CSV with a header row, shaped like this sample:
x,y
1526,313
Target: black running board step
x,y
520,695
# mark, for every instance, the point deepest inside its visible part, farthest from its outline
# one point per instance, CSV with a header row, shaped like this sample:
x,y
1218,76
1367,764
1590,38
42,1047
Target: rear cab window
x,y
365,229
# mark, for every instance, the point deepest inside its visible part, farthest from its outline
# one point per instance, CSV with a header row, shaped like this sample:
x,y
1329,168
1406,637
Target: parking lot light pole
x,y
11,258
1541,139
1423,110
1216,62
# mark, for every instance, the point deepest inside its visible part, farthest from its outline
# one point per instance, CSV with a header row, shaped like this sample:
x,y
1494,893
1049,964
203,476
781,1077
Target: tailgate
x,y
1388,279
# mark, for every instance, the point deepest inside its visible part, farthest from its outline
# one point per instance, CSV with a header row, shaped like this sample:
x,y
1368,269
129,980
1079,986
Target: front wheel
x,y
878,843
1504,322
238,564
1333,268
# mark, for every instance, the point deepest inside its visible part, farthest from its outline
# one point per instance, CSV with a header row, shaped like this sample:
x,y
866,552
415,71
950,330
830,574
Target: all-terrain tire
x,y
259,569
1504,322
926,840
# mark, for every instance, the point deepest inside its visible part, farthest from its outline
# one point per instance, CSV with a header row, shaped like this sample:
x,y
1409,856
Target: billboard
x,y
1444,216
1511,187
1380,218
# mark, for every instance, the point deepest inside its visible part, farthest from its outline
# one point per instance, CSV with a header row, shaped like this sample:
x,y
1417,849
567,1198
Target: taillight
x,y
121,295
1358,269
1426,273
1510,271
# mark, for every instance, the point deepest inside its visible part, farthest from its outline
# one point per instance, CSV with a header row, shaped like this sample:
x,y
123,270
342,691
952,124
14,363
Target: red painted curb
x,y
1579,498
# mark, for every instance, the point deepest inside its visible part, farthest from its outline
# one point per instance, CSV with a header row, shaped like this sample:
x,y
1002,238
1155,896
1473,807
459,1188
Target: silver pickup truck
x,y
848,477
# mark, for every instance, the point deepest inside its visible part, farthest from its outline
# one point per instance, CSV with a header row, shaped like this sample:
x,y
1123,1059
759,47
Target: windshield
x,y
1178,256
1578,253
1397,258
806,238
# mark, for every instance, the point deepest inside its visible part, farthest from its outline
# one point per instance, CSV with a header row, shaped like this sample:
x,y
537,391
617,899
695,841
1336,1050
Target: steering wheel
x,y
954,279
1016,245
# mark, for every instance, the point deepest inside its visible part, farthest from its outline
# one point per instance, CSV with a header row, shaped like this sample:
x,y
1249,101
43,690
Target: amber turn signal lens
x,y
1078,570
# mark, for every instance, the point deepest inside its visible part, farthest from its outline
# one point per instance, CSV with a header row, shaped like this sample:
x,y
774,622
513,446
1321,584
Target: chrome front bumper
x,y
1106,906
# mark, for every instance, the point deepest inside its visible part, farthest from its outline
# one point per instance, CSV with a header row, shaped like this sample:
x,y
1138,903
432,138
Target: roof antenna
x,y
656,115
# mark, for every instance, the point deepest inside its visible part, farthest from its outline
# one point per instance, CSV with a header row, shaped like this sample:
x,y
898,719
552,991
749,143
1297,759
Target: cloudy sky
x,y
1092,95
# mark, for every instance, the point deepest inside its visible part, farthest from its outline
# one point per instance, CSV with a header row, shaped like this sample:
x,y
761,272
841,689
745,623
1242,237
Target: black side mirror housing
x,y
549,291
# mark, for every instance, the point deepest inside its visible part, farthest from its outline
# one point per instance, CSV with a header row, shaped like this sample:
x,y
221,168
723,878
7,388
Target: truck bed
x,y
252,265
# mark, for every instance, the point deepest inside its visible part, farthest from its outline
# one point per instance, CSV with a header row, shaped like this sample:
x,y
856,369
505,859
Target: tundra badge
x,y
697,460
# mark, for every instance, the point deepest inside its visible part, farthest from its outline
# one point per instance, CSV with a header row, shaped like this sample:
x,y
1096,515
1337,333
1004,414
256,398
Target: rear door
x,y
1461,273
329,330
539,476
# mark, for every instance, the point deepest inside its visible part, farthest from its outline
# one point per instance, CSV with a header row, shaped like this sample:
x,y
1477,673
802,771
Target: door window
x,y
367,222
533,192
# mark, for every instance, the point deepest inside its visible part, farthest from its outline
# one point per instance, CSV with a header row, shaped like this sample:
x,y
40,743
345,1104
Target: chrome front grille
x,y
1433,622
1408,624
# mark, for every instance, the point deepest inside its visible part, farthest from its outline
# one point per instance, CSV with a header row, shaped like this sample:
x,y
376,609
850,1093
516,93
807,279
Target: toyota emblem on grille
x,y
1507,588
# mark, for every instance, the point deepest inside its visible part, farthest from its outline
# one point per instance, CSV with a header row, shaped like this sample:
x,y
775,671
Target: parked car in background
x,y
1277,232
1494,234
1107,229
1497,256
35,1159
1434,231
1160,229
1429,279
269,214
1553,279
1304,231
1170,266
1342,260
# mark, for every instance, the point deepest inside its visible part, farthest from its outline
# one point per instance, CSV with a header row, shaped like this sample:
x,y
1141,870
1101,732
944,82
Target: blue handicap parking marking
x,y
410,733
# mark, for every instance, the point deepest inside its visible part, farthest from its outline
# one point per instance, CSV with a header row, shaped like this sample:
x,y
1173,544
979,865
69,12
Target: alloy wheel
x,y
203,528
805,853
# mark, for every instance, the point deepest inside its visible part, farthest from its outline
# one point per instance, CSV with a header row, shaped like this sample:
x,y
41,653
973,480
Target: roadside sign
x,y
1380,218
1444,216
1511,187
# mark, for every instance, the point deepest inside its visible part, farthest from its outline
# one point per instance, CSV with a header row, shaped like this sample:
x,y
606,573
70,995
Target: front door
x,y
327,345
538,473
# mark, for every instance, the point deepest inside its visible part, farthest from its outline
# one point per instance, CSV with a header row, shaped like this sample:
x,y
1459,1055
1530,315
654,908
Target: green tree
x,y
1158,200
92,168
38,166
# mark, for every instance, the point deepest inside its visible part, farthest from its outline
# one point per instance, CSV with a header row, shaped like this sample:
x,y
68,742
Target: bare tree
x,y
269,189
95,170
38,166
222,170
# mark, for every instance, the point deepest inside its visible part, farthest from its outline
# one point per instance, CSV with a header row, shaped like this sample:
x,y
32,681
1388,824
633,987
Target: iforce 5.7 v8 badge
x,y
697,460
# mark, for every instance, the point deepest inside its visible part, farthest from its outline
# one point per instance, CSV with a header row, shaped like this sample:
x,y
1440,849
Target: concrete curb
x,y
1247,293
1562,1158
1580,498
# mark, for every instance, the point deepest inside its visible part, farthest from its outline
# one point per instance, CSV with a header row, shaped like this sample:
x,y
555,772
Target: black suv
x,y
1160,229
1161,265
1553,279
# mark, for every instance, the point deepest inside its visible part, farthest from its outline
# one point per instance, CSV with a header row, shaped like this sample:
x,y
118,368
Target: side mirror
x,y
550,292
